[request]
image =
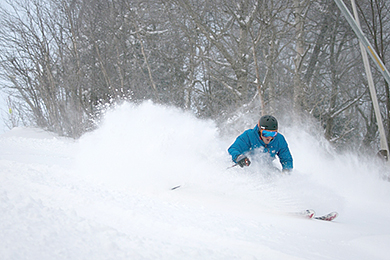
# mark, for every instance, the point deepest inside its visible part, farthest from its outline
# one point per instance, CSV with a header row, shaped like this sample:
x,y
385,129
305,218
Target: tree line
x,y
63,61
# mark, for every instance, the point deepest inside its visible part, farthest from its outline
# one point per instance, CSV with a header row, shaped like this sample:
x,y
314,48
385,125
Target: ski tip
x,y
334,215
309,213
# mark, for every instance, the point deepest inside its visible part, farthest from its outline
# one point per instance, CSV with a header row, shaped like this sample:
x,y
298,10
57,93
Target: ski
x,y
328,217
309,213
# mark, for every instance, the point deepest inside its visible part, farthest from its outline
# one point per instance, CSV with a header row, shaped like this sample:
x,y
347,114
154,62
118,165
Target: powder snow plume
x,y
151,146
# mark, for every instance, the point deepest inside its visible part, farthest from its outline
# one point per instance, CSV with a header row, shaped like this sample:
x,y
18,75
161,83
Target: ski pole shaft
x,y
234,165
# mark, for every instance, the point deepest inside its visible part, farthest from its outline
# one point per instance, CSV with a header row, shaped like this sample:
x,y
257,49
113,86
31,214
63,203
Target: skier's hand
x,y
242,161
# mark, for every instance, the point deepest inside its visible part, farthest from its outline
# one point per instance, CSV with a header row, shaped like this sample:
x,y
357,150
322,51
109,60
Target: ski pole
x,y
234,165
178,186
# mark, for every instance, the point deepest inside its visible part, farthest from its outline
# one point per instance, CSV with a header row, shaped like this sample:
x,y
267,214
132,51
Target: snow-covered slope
x,y
108,195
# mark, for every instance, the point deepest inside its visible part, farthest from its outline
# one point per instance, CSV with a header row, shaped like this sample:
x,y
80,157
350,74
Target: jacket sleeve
x,y
285,156
241,145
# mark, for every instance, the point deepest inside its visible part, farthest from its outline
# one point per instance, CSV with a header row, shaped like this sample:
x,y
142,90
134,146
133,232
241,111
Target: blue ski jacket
x,y
250,141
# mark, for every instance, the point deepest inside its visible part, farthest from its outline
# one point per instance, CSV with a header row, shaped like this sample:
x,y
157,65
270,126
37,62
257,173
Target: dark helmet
x,y
268,123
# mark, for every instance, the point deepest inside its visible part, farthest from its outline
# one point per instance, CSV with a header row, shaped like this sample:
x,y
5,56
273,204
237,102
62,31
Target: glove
x,y
242,161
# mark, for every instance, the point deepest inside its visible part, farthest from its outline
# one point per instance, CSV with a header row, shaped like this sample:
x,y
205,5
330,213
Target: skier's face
x,y
267,140
268,135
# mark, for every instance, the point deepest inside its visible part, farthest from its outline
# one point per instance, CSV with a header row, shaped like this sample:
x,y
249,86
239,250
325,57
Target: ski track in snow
x,y
107,196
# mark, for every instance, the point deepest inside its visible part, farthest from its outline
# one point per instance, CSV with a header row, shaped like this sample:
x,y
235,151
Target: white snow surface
x,y
108,195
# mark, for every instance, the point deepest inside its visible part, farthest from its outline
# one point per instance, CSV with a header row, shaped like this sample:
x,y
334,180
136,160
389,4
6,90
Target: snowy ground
x,y
108,196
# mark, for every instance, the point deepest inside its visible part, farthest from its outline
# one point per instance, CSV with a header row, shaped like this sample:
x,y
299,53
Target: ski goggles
x,y
269,133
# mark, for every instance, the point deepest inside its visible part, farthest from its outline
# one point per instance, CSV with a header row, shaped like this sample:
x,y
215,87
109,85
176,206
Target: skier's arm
x,y
285,158
240,146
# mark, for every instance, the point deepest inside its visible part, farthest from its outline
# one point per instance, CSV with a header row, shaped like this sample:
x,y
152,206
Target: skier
x,y
264,138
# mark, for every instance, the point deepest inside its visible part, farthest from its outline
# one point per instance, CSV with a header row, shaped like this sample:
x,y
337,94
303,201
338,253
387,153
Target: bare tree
x,y
375,19
301,8
210,57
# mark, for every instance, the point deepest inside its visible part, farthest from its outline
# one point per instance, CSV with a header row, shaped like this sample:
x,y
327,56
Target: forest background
x,y
63,62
